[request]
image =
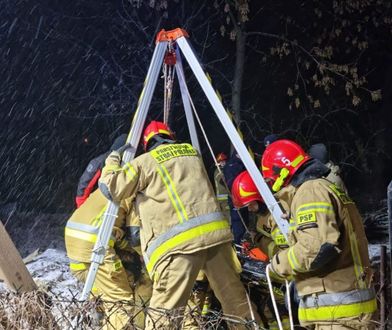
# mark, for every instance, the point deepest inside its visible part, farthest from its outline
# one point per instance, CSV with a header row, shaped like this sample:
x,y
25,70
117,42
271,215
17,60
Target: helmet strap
x,y
284,172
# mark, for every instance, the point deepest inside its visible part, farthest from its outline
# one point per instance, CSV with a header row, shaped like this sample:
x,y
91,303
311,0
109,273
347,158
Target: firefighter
x,y
113,281
182,228
221,191
268,237
238,218
328,254
245,194
88,182
319,151
199,302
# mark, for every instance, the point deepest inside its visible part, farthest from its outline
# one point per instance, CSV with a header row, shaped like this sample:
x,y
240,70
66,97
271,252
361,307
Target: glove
x,y
126,146
118,233
274,275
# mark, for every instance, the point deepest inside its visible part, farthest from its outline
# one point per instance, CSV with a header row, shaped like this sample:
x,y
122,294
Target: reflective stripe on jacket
x,y
220,187
180,233
267,226
82,228
332,306
176,203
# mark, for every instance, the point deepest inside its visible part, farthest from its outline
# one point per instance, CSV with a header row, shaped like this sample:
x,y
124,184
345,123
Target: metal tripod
x,y
178,39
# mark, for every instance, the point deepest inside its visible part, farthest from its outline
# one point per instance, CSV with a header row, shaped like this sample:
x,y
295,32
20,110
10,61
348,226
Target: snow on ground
x,y
50,270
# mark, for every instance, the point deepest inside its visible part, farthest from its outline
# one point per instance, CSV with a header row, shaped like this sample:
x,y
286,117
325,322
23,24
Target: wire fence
x,y
41,310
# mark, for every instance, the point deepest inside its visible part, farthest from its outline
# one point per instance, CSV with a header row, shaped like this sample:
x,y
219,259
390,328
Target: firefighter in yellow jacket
x,y
268,238
112,281
182,228
328,254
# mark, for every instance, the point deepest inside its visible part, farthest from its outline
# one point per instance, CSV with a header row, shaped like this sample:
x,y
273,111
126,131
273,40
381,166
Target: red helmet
x,y
155,128
281,159
244,190
221,157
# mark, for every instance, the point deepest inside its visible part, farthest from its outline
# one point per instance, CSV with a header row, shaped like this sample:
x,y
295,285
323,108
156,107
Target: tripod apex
x,y
171,35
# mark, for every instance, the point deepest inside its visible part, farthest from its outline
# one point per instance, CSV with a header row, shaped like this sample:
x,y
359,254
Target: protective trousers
x,y
198,303
143,292
176,275
270,316
355,323
111,284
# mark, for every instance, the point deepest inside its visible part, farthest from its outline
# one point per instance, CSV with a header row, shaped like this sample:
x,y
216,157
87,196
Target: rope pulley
x,y
170,57
169,63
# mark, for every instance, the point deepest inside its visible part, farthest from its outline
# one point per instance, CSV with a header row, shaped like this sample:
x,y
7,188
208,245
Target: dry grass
x,y
40,310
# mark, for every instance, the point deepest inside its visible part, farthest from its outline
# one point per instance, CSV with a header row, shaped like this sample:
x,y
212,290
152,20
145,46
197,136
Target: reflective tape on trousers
x,y
340,298
77,266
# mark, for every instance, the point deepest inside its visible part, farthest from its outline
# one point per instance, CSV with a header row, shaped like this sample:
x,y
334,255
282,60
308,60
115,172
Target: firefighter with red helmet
x,y
245,194
183,229
268,238
328,254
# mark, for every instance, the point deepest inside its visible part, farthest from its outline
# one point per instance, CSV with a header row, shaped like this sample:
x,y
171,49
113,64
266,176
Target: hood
x,y
313,169
319,151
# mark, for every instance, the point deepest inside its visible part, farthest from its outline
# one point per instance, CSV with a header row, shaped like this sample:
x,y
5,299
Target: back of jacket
x,y
82,227
329,245
175,200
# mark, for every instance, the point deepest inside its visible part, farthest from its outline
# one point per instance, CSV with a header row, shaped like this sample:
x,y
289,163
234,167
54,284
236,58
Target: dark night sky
x,y
71,73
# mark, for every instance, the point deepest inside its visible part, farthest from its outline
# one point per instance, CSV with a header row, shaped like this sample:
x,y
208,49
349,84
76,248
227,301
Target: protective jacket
x,y
328,253
174,199
220,187
334,176
82,228
222,194
270,239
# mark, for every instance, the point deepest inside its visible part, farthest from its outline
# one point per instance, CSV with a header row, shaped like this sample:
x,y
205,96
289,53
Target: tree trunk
x,y
238,73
